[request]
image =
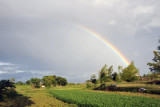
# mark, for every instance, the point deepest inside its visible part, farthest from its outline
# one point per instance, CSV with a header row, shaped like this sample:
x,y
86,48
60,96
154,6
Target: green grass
x,y
93,99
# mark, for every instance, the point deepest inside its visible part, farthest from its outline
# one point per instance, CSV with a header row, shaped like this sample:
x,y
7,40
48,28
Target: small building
x,y
43,86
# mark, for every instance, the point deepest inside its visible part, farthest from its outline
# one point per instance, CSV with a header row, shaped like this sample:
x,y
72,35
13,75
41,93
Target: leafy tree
x,y
61,81
118,79
36,82
48,81
114,76
110,70
129,73
54,76
155,66
28,82
105,74
93,79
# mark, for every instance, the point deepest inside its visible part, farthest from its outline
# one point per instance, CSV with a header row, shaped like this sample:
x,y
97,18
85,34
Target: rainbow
x,y
99,37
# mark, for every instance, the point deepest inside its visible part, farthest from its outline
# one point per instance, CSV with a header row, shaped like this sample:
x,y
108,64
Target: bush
x,y
112,87
6,89
157,82
5,84
89,85
152,91
11,93
103,86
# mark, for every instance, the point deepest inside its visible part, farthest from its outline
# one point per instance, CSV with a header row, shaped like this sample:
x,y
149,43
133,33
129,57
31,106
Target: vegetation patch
x,y
93,99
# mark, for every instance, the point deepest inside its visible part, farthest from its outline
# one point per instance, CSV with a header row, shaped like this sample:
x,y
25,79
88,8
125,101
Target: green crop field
x,y
93,99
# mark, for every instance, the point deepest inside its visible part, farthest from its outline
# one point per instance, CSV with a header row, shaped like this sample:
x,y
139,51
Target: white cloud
x,y
143,9
3,72
19,71
4,63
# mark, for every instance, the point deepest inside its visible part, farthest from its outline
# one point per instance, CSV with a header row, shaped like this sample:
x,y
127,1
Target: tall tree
x,y
103,73
48,81
61,81
129,73
110,70
155,66
114,76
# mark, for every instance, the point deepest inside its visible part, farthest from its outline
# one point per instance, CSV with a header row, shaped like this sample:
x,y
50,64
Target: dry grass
x,y
34,98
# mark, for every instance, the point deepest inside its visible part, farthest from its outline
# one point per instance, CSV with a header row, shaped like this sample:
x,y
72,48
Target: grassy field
x,y
29,97
56,96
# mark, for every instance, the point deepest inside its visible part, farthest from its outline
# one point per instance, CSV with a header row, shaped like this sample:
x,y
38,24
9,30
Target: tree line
x,y
47,81
129,74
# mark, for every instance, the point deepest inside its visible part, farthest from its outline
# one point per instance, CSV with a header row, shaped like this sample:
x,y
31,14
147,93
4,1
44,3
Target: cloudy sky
x,y
41,37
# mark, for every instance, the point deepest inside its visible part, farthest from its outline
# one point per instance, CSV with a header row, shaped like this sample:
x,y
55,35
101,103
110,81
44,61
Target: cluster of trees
x,y
130,73
106,74
47,81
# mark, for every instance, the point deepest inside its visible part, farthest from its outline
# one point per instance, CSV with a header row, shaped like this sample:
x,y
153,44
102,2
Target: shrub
x,y
5,84
103,86
6,89
112,87
11,93
157,82
89,85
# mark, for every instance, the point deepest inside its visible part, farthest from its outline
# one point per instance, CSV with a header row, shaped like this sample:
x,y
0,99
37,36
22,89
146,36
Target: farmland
x,y
93,99
78,95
